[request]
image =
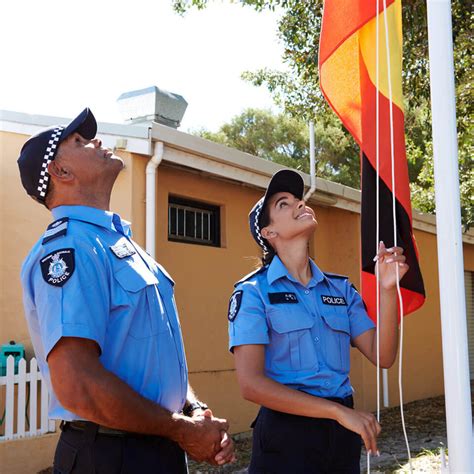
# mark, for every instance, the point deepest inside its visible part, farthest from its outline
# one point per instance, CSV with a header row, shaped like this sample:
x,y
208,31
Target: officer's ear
x,y
268,233
59,172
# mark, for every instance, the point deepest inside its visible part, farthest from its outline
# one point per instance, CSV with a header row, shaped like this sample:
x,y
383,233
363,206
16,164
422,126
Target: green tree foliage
x,y
284,139
297,91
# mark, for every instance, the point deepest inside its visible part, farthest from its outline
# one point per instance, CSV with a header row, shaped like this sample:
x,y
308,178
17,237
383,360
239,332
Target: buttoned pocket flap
x,y
338,321
134,279
289,320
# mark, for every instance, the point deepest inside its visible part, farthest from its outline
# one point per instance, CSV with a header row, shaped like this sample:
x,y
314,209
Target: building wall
x,y
205,276
22,222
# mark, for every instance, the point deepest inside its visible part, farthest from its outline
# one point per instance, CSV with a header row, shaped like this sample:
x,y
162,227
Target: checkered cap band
x,y
256,224
47,158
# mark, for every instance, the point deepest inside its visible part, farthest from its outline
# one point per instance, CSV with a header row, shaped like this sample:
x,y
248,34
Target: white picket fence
x,y
25,381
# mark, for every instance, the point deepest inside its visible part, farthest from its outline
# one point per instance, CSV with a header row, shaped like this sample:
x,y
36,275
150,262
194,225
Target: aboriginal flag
x,y
347,69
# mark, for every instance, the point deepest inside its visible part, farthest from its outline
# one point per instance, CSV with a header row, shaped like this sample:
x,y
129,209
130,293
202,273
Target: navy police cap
x,y
41,149
282,181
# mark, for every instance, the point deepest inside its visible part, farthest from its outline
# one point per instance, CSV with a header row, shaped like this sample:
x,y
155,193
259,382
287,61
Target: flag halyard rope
x,y
377,213
395,242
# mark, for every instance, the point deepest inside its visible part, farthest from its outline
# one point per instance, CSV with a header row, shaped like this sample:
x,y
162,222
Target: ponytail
x,y
269,253
267,257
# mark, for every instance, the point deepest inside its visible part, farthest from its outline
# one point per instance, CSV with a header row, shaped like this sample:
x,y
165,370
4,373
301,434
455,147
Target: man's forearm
x,y
100,396
83,386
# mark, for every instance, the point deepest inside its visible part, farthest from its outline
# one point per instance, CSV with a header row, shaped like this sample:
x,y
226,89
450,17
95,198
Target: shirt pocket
x,y
291,345
336,339
140,301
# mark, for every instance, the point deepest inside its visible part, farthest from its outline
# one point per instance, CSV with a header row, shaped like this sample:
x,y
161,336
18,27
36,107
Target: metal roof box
x,y
143,106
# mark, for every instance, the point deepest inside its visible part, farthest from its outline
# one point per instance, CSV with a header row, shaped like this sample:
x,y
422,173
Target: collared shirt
x,y
115,294
307,330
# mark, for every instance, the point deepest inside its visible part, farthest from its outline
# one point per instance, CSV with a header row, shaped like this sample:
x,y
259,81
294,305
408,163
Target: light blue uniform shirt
x,y
113,293
307,331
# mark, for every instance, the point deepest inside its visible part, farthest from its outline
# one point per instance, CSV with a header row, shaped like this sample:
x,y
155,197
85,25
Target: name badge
x,y
334,300
280,298
123,248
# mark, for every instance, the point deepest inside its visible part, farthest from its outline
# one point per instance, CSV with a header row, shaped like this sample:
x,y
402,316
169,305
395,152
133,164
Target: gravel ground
x,y
426,429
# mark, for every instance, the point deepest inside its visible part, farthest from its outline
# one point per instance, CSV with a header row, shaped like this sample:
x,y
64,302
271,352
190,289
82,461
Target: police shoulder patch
x,y
234,304
58,266
55,230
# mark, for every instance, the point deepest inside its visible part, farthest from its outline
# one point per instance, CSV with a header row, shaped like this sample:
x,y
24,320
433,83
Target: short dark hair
x,y
50,194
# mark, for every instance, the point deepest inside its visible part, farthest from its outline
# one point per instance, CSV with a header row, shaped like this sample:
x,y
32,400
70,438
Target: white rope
x,y
400,299
377,212
377,201
368,463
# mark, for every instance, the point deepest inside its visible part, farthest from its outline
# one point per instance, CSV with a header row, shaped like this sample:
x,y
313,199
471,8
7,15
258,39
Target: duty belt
x,y
84,425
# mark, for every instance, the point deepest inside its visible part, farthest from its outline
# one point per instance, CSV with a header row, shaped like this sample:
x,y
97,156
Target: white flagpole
x,y
449,238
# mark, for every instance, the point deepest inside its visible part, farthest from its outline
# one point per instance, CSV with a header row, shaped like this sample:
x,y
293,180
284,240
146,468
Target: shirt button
x,y
316,339
306,292
326,383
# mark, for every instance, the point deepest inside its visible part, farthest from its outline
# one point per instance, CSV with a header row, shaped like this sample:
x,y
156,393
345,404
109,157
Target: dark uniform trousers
x,y
292,444
88,451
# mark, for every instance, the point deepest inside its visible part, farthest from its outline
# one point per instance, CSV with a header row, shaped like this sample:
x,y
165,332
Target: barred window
x,y
193,222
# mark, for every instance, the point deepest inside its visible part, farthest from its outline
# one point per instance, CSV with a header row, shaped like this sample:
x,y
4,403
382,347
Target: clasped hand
x,y
207,439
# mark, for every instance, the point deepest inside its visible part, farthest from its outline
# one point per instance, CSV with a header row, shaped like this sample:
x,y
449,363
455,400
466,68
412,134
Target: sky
x,y
60,56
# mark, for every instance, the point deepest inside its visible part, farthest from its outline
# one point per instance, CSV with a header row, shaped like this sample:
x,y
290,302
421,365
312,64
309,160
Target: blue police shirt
x,y
307,331
86,278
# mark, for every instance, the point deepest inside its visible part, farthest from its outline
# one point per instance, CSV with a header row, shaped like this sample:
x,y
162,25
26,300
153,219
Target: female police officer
x,y
290,328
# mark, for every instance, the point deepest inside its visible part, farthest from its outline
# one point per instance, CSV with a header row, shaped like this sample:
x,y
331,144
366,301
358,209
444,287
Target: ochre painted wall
x,y
22,222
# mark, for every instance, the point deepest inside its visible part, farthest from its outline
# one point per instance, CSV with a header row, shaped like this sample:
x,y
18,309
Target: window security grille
x,y
193,222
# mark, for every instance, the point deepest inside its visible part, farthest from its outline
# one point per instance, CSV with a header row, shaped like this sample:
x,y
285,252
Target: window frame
x,y
214,225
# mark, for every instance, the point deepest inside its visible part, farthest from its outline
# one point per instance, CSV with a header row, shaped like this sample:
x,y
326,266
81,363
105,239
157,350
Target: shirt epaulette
x,y
335,275
55,230
251,274
166,274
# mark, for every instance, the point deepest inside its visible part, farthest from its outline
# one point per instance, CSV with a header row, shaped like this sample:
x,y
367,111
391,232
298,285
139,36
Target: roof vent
x,y
141,107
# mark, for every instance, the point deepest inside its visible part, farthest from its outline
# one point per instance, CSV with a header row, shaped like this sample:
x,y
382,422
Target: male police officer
x,y
103,322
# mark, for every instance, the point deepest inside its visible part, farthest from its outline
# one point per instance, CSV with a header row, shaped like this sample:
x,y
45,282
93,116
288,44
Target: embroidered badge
x,y
58,267
123,248
56,229
234,304
334,300
280,298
